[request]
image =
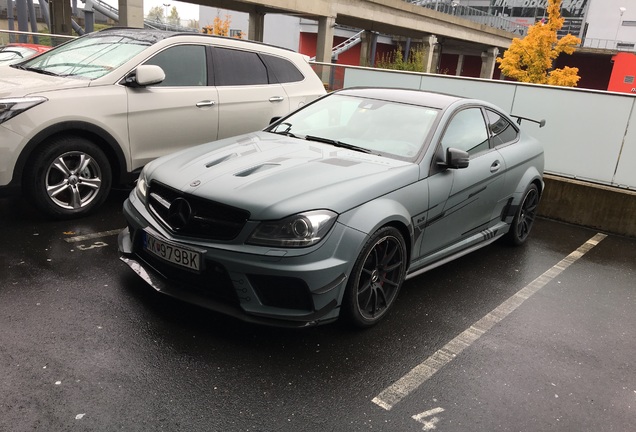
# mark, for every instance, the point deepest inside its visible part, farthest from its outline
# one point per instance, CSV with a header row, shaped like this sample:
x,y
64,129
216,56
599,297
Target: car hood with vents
x,y
274,176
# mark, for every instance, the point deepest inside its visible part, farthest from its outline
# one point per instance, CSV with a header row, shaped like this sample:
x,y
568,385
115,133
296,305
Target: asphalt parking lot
x,y
536,338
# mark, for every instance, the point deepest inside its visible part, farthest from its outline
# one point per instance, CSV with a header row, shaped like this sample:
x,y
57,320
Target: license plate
x,y
172,253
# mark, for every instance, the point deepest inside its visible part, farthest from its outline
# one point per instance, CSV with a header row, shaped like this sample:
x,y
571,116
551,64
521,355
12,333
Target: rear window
x,y
282,70
234,68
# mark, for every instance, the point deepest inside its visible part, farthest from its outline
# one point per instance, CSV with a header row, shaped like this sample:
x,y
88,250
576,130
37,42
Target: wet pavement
x,y
536,338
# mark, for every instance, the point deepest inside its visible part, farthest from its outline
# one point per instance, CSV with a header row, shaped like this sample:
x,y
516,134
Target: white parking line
x,y
92,236
393,394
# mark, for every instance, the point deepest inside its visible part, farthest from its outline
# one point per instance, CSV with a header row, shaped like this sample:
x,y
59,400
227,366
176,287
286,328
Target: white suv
x,y
94,111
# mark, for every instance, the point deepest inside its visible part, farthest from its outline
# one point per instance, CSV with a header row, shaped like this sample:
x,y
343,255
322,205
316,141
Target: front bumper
x,y
251,283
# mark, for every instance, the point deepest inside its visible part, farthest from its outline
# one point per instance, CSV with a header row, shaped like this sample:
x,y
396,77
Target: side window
x,y
282,69
467,131
501,130
184,65
234,68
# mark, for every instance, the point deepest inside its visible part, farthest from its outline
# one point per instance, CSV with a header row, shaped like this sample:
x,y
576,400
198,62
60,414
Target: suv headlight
x,y
11,107
300,230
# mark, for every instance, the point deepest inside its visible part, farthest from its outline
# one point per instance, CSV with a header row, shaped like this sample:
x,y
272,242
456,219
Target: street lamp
x,y
166,5
622,11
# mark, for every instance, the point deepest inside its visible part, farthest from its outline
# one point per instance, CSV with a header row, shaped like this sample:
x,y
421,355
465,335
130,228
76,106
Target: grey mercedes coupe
x,y
328,211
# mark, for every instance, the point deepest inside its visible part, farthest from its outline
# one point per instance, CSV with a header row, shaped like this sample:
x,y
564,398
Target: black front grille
x,y
191,216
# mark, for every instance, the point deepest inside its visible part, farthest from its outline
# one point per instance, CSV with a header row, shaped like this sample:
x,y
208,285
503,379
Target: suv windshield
x,y
89,57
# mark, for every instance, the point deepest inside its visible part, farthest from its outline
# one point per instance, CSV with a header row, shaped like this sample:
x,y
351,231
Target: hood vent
x,y
339,162
256,169
221,160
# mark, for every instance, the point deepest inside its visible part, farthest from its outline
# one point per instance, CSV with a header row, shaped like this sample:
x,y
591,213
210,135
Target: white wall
x,y
589,135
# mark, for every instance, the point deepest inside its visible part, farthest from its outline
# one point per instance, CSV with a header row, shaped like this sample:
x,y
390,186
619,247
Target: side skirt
x,y
471,244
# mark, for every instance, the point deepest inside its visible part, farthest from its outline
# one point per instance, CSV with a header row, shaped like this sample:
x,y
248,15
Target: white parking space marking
x,y
92,236
429,424
393,394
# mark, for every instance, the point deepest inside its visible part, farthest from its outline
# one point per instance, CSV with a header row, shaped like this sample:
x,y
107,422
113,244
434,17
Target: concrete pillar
x,y
131,13
428,44
460,65
488,62
436,55
324,44
60,12
374,49
256,26
365,48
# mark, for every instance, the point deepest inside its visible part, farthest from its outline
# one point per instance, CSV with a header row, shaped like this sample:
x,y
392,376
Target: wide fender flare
x,y
532,175
373,215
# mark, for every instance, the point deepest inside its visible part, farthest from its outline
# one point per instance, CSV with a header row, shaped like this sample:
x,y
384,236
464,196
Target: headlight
x,y
142,186
10,108
301,230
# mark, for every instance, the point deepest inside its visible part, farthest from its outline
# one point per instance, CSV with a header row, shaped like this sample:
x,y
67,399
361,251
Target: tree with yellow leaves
x,y
530,59
220,27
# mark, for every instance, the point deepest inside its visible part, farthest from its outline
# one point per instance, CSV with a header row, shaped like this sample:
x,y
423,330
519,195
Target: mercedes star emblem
x,y
179,213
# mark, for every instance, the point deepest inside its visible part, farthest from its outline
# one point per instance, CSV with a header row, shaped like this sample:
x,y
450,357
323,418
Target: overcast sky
x,y
187,11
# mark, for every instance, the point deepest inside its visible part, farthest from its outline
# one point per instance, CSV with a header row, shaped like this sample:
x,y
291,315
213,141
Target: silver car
x,y
327,211
90,113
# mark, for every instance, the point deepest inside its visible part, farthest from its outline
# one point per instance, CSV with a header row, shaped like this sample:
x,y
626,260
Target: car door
x,y
248,97
179,112
462,200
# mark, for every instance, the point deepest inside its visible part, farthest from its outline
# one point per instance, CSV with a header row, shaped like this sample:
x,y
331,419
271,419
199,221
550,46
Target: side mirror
x,y
274,119
456,158
145,75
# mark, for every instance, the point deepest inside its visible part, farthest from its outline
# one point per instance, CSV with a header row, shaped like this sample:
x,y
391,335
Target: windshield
x,y
88,57
14,54
381,127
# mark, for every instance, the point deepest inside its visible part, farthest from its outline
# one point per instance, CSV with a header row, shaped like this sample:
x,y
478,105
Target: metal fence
x,y
11,36
472,14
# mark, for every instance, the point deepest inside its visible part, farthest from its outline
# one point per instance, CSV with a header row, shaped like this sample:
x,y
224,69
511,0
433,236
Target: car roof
x,y
155,35
408,96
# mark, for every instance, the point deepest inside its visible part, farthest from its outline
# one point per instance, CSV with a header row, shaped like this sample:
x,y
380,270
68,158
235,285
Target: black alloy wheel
x,y
525,216
376,278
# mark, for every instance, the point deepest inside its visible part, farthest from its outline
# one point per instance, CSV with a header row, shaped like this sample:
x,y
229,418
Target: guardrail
x,y
472,14
10,36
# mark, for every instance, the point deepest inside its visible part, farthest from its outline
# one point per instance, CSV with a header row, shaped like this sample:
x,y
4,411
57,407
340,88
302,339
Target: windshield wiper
x,y
338,143
38,70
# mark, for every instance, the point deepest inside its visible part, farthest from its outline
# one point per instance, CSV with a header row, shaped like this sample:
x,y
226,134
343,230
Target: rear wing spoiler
x,y
541,122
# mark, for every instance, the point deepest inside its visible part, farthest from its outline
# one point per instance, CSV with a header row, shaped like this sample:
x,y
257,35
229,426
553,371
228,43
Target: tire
x,y
524,217
376,278
69,177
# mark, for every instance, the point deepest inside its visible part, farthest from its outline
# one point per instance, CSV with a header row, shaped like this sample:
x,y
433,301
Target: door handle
x,y
276,99
206,103
495,166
